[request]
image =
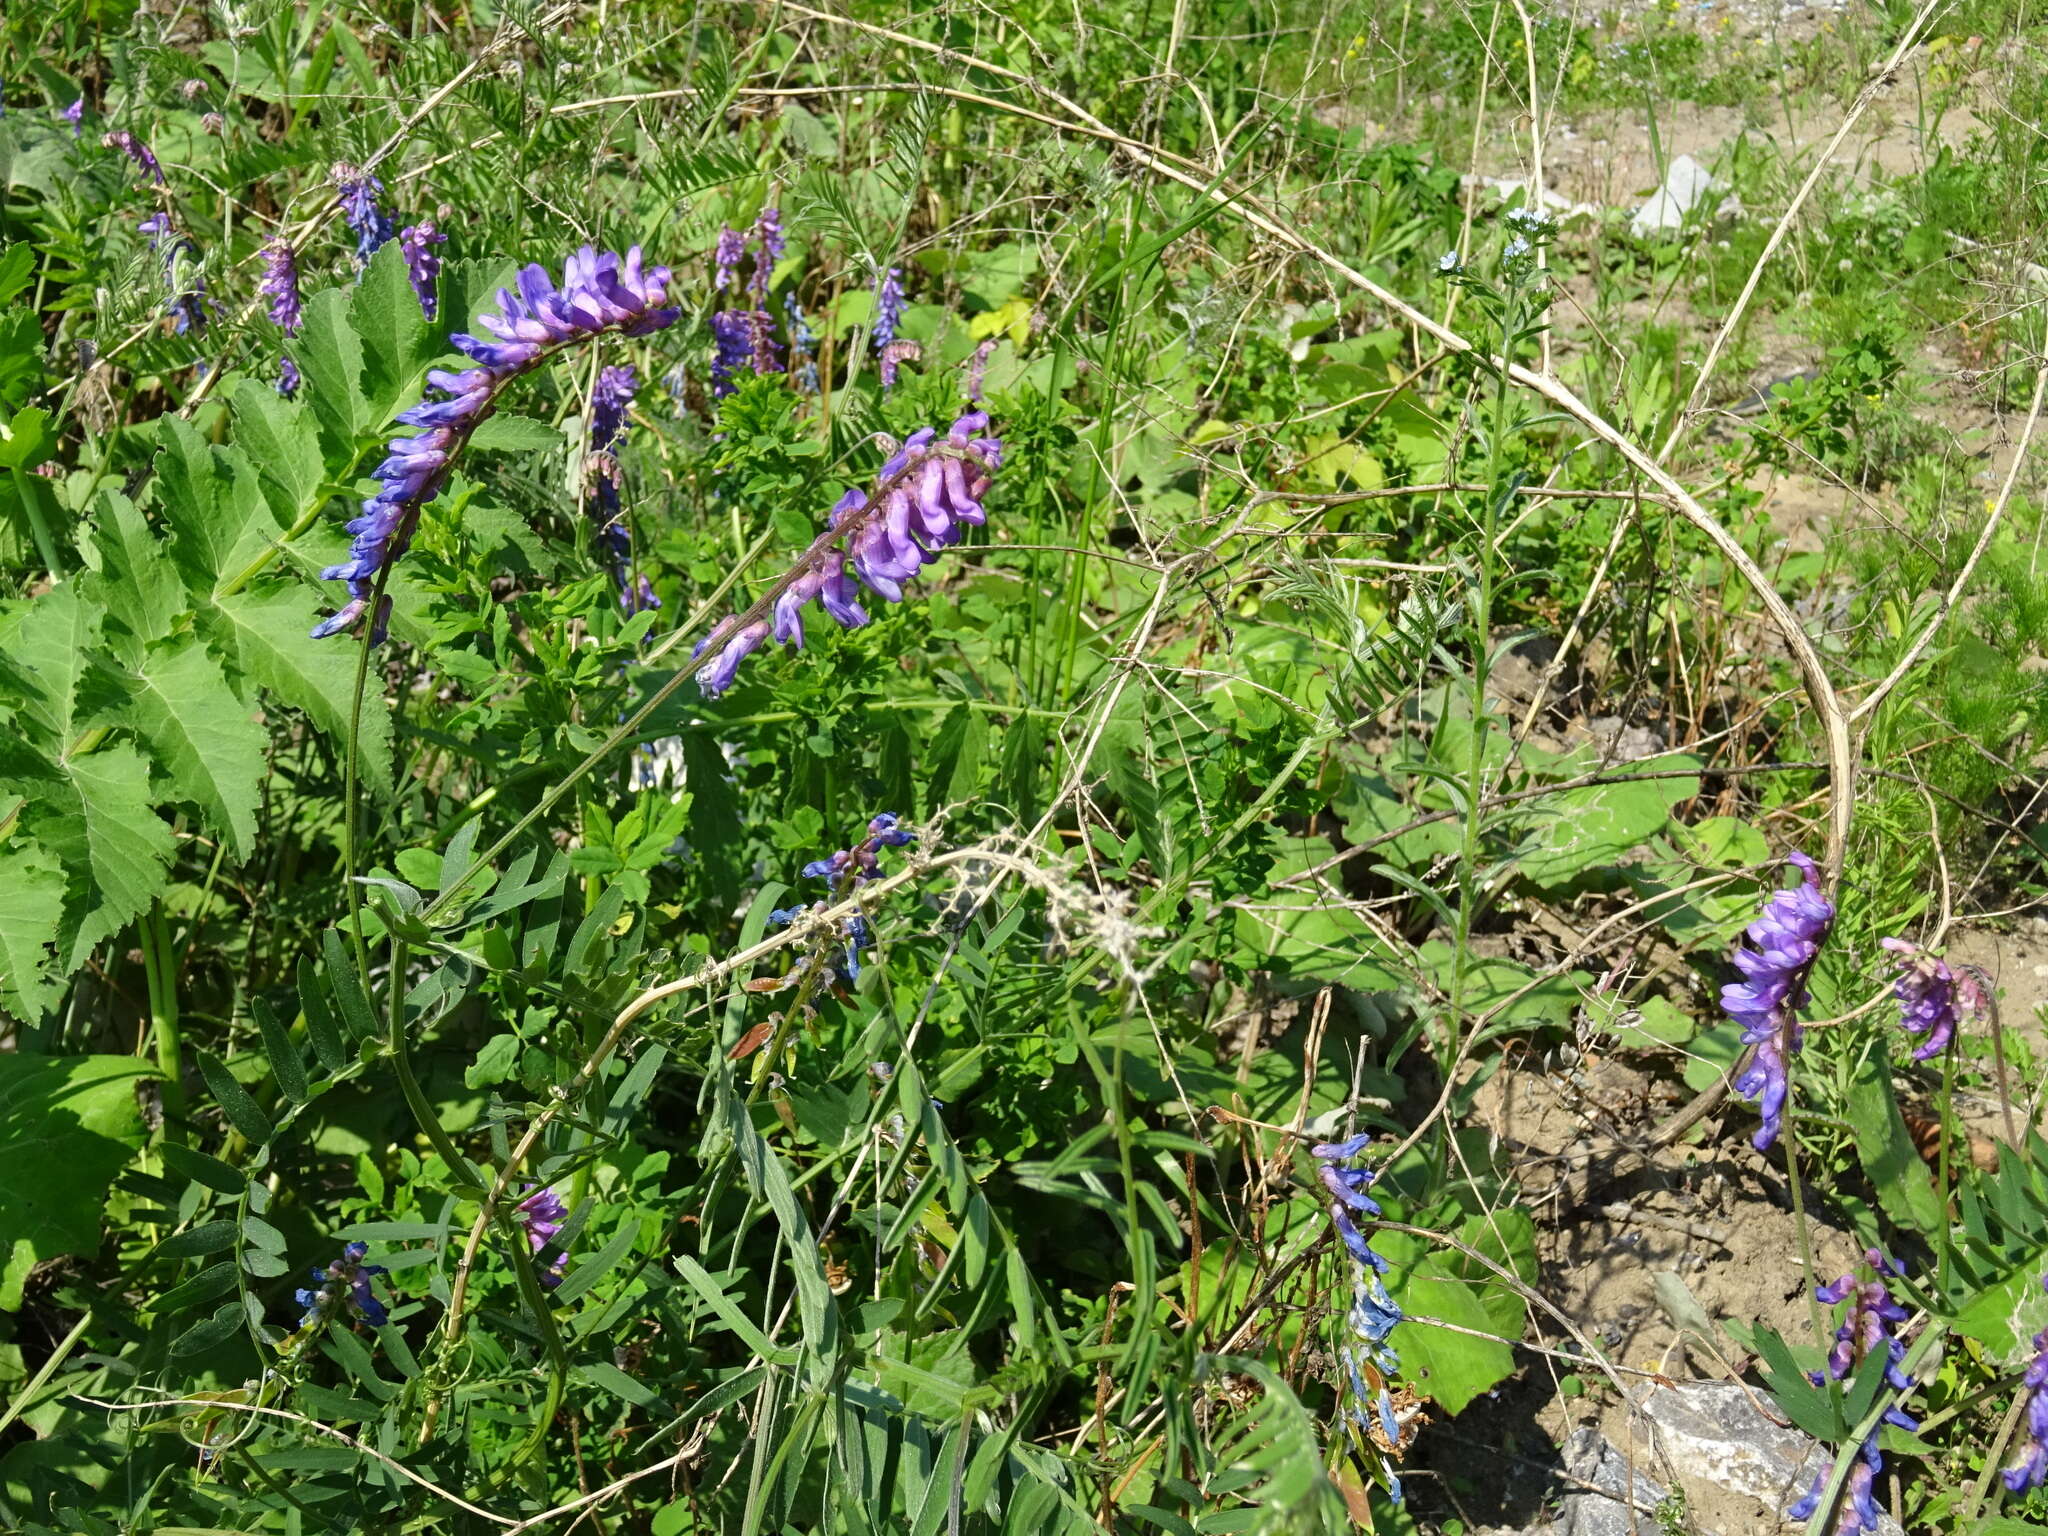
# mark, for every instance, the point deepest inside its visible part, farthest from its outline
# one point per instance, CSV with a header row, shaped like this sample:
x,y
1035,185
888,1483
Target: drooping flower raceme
x,y
1929,994
2030,1470
847,870
609,403
600,291
1788,934
769,244
894,356
75,116
1865,1329
366,219
725,258
543,1215
343,1287
928,492
1370,1361
134,149
888,306
280,284
732,339
422,261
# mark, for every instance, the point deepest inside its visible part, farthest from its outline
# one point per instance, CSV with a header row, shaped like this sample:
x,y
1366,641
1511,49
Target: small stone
x,y
1686,182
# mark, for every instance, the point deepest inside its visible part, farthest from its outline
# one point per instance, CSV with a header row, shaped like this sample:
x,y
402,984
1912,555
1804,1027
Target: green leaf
x,y
397,346
319,1017
342,982
1593,827
95,813
2004,1317
196,1242
283,441
242,1110
31,912
52,640
265,632
210,1334
516,434
202,1287
200,734
1904,1185
137,585
330,356
213,502
285,1064
1452,1367
68,1126
210,1171
26,440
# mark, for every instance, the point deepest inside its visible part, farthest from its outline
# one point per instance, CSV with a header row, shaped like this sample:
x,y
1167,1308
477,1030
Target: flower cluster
x,y
1865,1330
847,870
366,219
187,301
977,368
1788,934
423,262
888,307
280,284
129,145
2031,1469
75,116
1369,1360
609,403
745,338
1930,997
599,291
343,1287
930,489
803,343
543,1215
894,356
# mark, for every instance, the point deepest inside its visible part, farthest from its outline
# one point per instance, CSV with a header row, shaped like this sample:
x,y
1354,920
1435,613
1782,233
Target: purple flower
x,y
802,343
855,866
888,307
609,403
762,355
977,368
1929,994
1370,1362
1865,1329
1788,934
2031,1469
75,116
770,244
369,223
287,377
599,291
422,261
726,257
928,492
894,356
187,289
135,150
280,284
156,226
542,1214
342,1287
732,338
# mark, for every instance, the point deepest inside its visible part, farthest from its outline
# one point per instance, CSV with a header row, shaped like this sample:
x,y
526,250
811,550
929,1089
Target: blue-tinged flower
x,y
769,245
1865,1329
360,210
1448,263
894,356
542,1214
846,871
609,404
135,150
280,284
732,338
1930,1001
725,258
1788,934
1515,249
287,377
1370,1361
2030,1470
341,1288
599,291
803,343
423,262
888,307
75,116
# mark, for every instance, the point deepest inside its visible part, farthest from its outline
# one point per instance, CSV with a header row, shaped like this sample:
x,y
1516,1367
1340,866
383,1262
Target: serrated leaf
x,y
136,585
68,1126
330,356
213,503
265,630
26,439
95,813
283,441
31,911
49,646
397,346
200,734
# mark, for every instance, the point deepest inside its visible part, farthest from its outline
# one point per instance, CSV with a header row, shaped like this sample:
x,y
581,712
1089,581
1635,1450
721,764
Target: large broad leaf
x,y
281,439
265,632
94,811
221,522
1475,1354
2005,1316
47,646
31,910
1590,828
201,735
68,1126
136,585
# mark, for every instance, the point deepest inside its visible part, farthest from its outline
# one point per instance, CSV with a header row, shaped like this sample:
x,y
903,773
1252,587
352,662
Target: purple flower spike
x,y
2031,1469
888,307
725,258
423,262
977,368
770,244
732,337
600,291
609,403
366,220
929,491
135,150
543,1215
287,377
75,116
1370,1361
280,284
1930,997
1865,1330
1788,934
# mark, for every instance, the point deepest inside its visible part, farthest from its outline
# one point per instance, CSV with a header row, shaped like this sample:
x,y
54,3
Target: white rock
x,y
1686,181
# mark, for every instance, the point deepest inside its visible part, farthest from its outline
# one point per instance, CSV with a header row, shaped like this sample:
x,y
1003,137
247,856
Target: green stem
x,y
50,1367
159,968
